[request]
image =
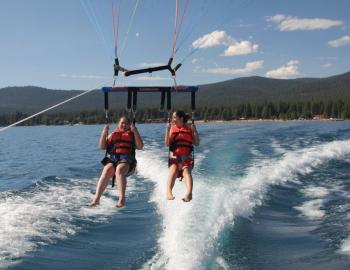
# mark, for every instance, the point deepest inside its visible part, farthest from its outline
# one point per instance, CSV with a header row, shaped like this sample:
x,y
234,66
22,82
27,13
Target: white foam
x,y
222,263
312,209
45,214
255,152
190,230
277,147
316,192
345,246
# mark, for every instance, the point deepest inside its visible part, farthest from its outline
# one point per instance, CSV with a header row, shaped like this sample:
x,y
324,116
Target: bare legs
x,y
120,173
107,172
171,182
189,184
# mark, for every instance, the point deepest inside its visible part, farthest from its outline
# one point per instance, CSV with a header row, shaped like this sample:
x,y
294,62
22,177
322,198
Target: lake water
x,y
266,196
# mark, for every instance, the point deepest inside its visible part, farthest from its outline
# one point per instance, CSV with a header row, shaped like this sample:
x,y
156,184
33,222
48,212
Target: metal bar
x,y
179,88
162,101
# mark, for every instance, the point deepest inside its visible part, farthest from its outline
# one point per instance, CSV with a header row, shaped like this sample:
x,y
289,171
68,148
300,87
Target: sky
x,y
70,44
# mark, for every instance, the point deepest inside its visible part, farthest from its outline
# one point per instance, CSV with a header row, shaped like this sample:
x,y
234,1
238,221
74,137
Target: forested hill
x,y
228,93
260,89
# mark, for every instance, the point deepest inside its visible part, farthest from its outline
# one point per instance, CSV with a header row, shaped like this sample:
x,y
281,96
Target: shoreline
x,y
204,122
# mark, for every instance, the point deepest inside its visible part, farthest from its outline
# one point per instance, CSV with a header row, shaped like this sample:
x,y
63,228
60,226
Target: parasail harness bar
x,y
127,72
165,96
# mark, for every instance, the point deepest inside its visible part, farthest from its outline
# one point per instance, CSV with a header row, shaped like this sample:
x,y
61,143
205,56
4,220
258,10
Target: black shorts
x,y
118,159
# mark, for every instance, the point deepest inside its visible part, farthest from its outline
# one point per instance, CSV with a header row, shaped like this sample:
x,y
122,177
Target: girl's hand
x,y
106,128
133,128
193,128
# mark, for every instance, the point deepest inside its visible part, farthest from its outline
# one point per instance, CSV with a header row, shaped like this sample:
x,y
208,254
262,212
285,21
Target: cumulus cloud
x,y
212,39
221,38
343,41
248,68
285,72
290,23
241,48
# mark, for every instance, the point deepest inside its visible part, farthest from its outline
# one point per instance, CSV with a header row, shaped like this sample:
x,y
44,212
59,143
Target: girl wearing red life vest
x,y
180,138
121,162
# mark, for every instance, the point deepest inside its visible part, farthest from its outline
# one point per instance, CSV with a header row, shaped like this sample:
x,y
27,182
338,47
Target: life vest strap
x,y
182,140
122,141
184,145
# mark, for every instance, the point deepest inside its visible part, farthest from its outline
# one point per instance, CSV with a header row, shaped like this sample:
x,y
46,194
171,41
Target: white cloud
x,y
74,76
343,41
249,67
290,23
212,39
293,63
147,65
285,72
221,38
137,34
194,60
327,65
151,78
241,48
277,18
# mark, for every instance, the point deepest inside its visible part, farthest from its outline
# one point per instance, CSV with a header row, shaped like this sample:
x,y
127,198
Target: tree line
x,y
267,110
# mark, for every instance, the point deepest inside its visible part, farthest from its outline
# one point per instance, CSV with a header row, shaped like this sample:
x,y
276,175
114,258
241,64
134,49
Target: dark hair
x,y
126,117
183,115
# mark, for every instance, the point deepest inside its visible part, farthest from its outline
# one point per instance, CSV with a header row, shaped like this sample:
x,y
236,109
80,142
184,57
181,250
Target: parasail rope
x,y
129,26
50,108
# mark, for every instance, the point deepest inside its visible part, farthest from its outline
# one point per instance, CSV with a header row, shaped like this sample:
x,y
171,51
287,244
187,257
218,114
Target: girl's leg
x,y
171,181
107,173
120,173
189,184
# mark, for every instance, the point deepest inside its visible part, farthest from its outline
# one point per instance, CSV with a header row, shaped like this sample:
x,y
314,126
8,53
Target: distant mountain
x,y
260,89
255,89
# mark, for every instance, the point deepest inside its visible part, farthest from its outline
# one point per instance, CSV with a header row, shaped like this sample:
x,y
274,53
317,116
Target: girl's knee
x,y
122,170
108,170
186,172
173,168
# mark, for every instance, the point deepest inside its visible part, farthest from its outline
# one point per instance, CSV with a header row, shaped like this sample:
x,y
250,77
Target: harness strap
x,y
121,141
122,147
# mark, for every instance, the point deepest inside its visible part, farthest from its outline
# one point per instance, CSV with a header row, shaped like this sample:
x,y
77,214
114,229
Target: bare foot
x,y
93,204
187,198
121,203
170,197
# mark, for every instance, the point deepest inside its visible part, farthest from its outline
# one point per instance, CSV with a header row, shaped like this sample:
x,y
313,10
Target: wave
x,y
190,231
345,246
312,208
50,210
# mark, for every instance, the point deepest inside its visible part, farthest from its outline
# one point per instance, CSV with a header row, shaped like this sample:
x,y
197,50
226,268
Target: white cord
x,y
48,109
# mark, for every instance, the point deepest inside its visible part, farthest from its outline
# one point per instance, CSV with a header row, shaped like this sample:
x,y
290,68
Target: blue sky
x,y
69,44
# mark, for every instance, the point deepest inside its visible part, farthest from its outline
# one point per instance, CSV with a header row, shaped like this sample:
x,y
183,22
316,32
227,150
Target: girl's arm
x,y
137,136
102,140
167,135
195,135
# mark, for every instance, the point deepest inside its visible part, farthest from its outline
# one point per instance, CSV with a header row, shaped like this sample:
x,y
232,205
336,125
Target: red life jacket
x,y
121,142
181,141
